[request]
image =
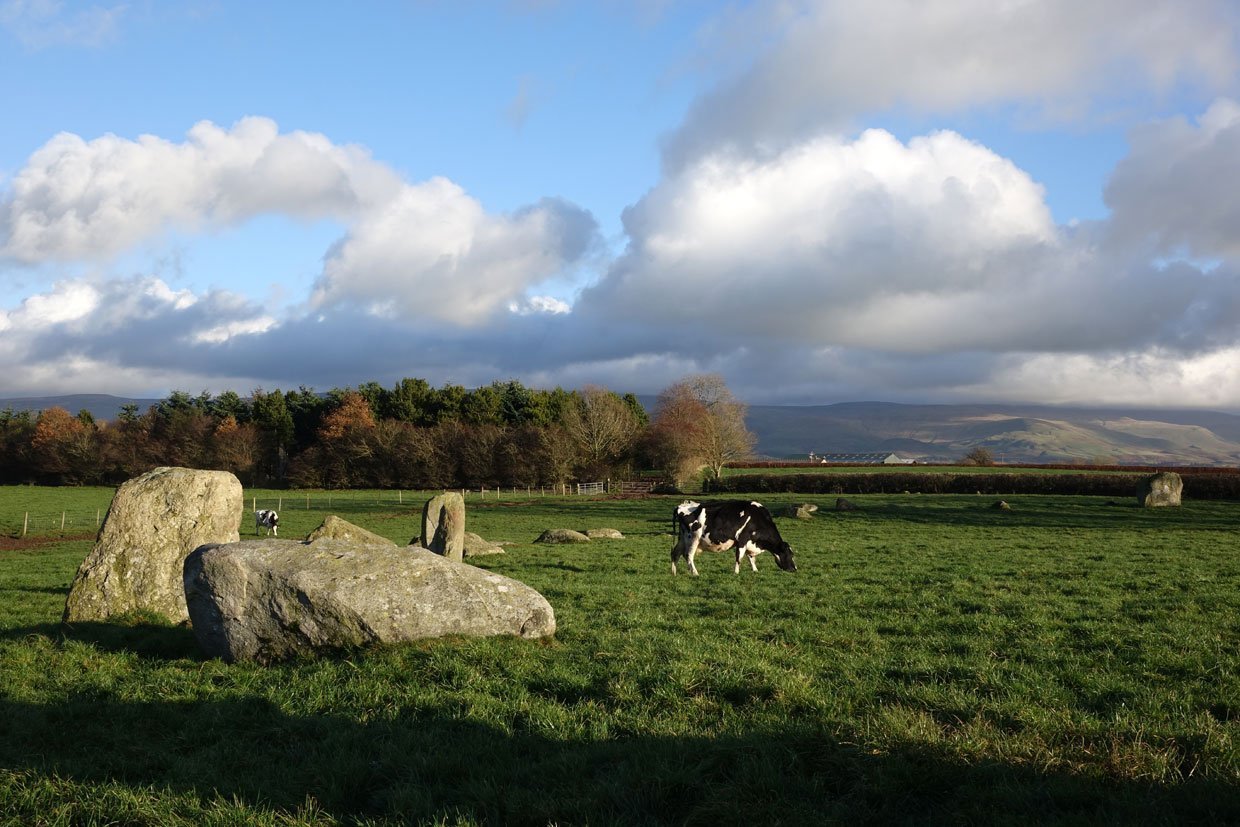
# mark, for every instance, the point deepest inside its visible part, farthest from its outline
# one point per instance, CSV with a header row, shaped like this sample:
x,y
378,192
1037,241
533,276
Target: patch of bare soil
x,y
33,542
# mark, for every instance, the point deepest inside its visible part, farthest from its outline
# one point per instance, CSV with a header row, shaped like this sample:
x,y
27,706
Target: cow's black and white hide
x,y
746,527
268,519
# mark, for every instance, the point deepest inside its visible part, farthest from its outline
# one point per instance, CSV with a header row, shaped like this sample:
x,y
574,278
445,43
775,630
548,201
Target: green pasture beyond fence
x,y
34,510
31,510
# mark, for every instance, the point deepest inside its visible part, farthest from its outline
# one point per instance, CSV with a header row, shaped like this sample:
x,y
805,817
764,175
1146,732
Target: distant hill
x,y
101,405
1013,433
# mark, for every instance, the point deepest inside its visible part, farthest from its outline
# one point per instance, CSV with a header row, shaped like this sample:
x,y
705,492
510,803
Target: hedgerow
x,y
1197,485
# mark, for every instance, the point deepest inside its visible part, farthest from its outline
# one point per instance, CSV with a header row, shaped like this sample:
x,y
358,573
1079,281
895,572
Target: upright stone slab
x,y
1160,490
267,600
443,525
154,522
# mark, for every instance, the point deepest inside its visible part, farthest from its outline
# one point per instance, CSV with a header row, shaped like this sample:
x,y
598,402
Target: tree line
x,y
411,436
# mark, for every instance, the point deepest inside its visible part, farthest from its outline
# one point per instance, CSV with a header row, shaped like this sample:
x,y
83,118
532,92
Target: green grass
x,y
933,661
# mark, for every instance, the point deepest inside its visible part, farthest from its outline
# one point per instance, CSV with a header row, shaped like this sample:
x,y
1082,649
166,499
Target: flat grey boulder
x,y
268,600
337,529
154,522
562,535
475,546
1160,490
604,534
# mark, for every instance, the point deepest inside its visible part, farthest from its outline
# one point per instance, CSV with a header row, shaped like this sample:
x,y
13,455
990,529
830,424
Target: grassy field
x,y
934,660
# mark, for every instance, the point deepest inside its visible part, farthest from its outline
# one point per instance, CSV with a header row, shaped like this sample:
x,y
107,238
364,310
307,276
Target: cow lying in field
x,y
268,519
746,527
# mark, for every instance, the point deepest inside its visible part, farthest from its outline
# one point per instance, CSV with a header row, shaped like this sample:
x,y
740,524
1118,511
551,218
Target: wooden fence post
x,y
62,521
25,523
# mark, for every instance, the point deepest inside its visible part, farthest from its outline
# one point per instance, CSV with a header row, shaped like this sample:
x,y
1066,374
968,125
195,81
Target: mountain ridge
x,y
1011,432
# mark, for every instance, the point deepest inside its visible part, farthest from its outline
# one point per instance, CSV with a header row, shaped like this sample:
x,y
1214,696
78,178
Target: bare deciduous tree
x,y
602,426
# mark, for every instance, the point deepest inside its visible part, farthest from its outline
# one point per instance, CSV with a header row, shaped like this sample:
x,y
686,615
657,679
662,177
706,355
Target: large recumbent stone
x,y
267,600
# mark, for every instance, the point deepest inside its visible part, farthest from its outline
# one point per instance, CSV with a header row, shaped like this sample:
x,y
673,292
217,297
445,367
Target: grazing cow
x,y
746,527
268,519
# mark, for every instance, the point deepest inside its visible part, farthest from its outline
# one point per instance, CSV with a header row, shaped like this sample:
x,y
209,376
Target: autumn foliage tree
x,y
64,446
345,440
699,423
408,436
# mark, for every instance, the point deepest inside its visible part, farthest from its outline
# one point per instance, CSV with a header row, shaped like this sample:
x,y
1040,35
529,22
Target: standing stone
x,y
1162,489
267,600
443,525
154,522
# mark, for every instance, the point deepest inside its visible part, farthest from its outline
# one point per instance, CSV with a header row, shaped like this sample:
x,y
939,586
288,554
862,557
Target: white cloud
x,y
39,24
434,253
87,200
221,333
539,304
806,244
833,60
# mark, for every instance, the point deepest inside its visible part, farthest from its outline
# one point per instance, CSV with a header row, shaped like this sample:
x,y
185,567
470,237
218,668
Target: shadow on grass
x,y
429,764
128,635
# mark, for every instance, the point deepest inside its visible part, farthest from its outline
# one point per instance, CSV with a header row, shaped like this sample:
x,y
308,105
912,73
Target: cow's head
x,y
783,557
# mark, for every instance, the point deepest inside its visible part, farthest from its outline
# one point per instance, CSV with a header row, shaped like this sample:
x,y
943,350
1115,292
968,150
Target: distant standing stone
x,y
1160,490
562,535
443,525
154,522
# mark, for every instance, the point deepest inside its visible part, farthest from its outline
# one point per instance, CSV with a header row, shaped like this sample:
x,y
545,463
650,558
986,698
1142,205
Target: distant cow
x,y
268,519
746,527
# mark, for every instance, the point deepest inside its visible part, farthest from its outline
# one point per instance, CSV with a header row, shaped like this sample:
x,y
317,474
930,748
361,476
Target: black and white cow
x,y
268,519
746,527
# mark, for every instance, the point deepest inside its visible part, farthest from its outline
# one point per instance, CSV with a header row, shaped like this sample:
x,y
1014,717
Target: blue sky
x,y
821,200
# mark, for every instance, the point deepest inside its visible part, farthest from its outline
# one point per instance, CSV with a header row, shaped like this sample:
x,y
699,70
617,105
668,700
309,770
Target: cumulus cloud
x,y
77,199
434,253
833,60
1176,189
819,243
839,268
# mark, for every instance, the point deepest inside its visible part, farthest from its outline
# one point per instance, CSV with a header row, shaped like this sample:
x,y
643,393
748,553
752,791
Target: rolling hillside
x,y
1013,433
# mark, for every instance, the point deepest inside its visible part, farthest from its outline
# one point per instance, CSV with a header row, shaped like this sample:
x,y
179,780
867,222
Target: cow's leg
x,y
676,552
753,562
692,550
